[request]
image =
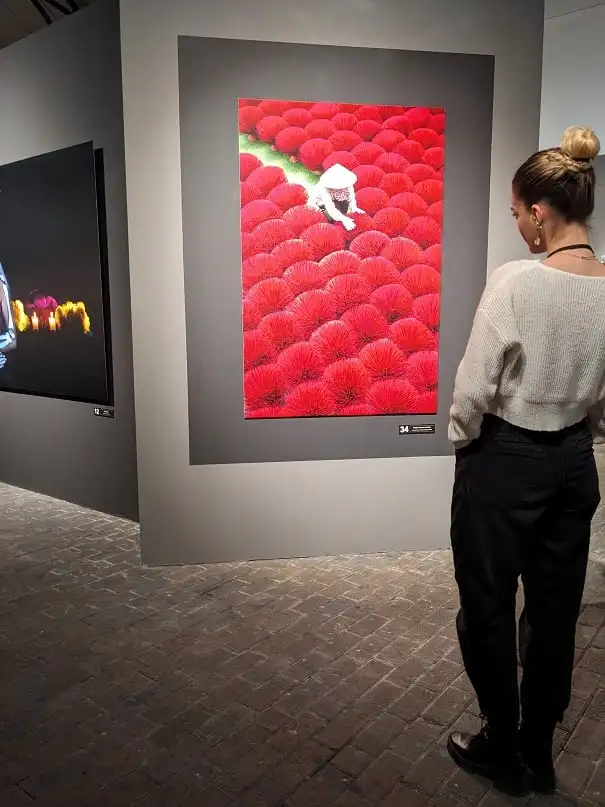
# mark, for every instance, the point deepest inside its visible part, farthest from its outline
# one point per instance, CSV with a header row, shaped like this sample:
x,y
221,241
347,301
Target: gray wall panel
x,y
462,84
208,513
60,87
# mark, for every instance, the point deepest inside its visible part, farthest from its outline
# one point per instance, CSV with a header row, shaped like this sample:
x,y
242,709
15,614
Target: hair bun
x,y
580,144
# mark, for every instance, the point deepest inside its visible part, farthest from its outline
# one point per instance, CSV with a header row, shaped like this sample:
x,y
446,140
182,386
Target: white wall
x,y
574,69
598,218
193,514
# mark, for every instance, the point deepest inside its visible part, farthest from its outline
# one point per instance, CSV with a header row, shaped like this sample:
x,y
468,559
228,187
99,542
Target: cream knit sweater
x,y
536,354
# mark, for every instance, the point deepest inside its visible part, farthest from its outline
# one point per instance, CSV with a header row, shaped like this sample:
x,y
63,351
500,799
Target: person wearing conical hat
x,y
335,195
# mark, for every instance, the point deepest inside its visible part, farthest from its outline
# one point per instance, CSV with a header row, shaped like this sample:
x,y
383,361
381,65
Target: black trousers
x,y
522,507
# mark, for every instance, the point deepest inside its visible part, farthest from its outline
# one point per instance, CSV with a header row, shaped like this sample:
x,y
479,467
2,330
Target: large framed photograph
x,y
341,218
53,336
331,264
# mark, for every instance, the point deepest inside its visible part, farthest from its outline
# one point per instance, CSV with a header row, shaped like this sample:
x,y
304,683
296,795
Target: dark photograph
x,y
52,329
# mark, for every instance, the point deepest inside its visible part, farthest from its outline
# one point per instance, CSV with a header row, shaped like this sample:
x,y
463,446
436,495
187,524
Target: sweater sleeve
x,y
596,420
478,375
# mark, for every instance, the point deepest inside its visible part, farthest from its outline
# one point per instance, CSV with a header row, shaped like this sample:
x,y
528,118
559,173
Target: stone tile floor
x,y
305,683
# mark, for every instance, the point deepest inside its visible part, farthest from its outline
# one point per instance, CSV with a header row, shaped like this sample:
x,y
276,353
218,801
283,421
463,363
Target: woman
x,y
335,195
529,401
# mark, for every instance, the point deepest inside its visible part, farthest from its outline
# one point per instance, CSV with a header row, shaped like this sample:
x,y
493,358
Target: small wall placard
x,y
423,428
103,412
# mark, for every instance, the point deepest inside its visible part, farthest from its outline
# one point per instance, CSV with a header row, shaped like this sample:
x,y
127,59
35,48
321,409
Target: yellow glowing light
x,y
22,321
70,309
55,319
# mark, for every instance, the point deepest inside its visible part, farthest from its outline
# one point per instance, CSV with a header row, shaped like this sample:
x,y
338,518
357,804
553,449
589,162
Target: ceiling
x,y
19,18
559,8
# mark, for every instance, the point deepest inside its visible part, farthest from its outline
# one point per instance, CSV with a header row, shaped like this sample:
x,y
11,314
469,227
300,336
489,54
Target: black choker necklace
x,y
570,246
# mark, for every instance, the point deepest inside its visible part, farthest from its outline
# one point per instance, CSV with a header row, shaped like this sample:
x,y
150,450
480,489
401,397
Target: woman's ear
x,y
537,213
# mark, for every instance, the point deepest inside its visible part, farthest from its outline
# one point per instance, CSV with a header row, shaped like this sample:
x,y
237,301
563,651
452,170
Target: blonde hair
x,y
563,177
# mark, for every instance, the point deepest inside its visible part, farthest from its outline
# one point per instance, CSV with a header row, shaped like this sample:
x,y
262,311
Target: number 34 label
x,y
417,428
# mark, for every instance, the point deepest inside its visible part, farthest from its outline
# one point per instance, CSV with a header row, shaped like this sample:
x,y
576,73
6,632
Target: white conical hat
x,y
337,177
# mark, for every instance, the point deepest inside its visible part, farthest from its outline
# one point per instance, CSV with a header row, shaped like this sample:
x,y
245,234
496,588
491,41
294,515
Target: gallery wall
x,y
206,513
574,64
58,88
598,218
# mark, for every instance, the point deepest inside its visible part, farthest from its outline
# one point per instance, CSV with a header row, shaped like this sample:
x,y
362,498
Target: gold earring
x,y
539,233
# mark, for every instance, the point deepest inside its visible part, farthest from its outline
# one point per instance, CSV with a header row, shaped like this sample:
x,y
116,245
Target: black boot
x,y
536,744
492,756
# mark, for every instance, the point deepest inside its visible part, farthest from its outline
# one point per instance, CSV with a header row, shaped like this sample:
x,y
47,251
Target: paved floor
x,y
328,682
